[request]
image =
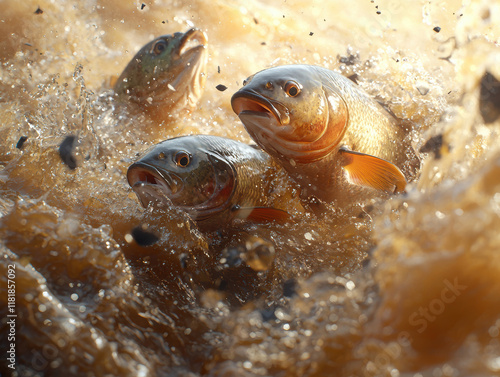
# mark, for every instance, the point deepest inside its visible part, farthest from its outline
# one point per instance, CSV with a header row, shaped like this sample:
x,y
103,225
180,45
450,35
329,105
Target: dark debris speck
x,y
350,59
66,151
437,29
311,33
21,141
143,237
433,145
290,288
38,11
268,315
489,98
221,87
233,256
354,78
143,6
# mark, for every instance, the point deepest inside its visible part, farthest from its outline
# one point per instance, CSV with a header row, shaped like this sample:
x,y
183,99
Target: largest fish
x,y
215,180
328,133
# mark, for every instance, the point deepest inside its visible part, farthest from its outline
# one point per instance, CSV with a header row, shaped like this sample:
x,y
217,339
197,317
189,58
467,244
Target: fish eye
x,y
182,159
292,89
161,156
269,85
159,47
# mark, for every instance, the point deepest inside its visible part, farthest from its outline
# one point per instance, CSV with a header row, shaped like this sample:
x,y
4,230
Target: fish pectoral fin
x,y
262,214
370,171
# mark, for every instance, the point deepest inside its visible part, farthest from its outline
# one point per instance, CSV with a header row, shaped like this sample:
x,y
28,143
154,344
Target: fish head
x,y
166,70
290,112
181,171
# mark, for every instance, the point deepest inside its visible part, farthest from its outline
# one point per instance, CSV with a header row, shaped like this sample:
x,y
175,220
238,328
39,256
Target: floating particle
x,y
290,288
311,33
422,87
21,141
221,87
437,29
231,256
218,69
143,6
183,260
354,78
259,254
350,59
256,21
263,43
379,12
489,98
66,151
268,315
143,236
38,11
434,145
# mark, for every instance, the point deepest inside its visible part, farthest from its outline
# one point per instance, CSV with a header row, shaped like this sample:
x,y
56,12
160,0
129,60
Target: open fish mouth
x,y
187,71
250,101
192,39
150,183
267,125
265,129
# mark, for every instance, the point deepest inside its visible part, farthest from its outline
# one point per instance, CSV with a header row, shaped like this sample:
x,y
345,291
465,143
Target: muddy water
x,y
409,286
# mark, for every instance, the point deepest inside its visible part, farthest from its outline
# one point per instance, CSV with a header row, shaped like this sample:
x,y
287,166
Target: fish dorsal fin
x,y
262,214
370,171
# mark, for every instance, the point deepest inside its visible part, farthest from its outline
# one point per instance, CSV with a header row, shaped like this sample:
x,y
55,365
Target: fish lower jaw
x,y
150,193
290,152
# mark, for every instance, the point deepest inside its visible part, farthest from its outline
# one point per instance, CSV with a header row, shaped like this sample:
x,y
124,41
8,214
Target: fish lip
x,y
168,183
189,36
260,104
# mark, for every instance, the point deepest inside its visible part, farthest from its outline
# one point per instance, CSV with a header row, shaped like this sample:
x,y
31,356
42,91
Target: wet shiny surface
x,y
405,287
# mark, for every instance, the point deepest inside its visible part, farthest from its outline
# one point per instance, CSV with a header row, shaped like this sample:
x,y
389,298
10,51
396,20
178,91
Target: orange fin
x,y
370,171
262,214
111,81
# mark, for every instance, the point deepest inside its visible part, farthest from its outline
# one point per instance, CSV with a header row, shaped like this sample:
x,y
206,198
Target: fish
x,y
336,141
215,180
167,72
